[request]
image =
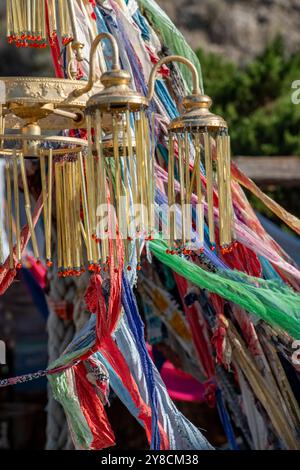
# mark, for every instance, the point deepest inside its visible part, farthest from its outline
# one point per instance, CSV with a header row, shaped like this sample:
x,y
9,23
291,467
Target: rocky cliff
x,y
239,29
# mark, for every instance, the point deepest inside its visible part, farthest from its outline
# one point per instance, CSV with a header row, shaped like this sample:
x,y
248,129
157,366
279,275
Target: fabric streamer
x,y
137,328
253,287
171,36
275,304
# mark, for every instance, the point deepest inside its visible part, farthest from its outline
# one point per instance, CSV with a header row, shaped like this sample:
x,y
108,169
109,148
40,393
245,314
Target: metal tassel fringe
x,y
218,182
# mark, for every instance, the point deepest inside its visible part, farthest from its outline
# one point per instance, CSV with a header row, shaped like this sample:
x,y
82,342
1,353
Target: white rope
x,y
60,333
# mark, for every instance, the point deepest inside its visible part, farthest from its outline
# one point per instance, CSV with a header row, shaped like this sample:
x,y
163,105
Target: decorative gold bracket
x,y
197,114
166,60
115,65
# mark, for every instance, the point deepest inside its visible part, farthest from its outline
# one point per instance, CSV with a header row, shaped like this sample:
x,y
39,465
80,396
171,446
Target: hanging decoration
x,y
36,115
118,165
197,131
98,151
27,22
33,115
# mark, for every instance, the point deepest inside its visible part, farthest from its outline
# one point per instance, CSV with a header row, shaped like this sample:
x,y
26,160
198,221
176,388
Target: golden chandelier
x,y
114,167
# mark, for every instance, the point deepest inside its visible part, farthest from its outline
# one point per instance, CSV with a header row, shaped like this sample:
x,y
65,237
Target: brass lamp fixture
x,y
86,175
33,115
36,114
199,132
119,166
55,165
99,185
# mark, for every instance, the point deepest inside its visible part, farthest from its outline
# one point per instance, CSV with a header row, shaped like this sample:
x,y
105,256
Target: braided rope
x,y
60,333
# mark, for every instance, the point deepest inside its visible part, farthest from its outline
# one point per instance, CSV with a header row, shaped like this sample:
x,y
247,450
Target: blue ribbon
x,y
137,327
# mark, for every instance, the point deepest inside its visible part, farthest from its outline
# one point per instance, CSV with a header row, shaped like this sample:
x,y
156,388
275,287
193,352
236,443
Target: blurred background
x,y
250,56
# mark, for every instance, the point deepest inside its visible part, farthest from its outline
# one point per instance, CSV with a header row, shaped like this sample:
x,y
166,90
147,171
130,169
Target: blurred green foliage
x,y
256,100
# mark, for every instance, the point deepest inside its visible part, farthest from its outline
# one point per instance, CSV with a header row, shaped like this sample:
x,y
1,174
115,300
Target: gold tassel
x,y
139,170
182,188
76,196
118,179
26,21
99,171
64,19
28,208
9,216
66,216
132,167
224,191
58,219
152,177
231,231
187,207
28,17
17,207
221,189
125,162
101,183
134,181
90,178
86,213
199,194
45,199
131,160
49,215
33,19
91,194
147,171
43,22
9,19
52,17
209,188
171,193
